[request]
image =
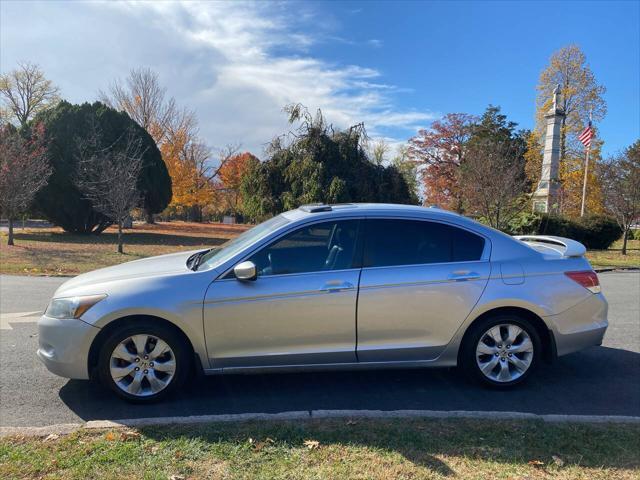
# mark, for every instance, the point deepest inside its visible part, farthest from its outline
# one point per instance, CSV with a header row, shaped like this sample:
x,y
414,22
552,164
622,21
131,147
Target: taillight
x,y
587,278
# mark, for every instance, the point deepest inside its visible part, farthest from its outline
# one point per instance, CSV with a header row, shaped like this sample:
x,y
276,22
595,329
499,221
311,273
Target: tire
x,y
485,363
135,365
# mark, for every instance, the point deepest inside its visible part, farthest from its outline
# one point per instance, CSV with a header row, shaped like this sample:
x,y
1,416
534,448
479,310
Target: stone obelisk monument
x,y
545,198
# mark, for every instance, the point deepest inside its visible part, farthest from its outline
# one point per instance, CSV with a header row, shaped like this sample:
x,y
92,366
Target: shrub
x,y
594,231
600,231
60,201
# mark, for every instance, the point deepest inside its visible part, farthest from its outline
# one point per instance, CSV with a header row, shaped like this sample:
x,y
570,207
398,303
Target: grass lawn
x,y
614,258
334,449
51,251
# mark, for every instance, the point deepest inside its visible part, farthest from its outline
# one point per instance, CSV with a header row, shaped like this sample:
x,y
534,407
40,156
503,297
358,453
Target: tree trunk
x,y
149,216
624,241
10,239
120,250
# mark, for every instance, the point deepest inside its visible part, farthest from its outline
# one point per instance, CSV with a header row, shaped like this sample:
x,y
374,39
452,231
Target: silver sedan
x,y
330,287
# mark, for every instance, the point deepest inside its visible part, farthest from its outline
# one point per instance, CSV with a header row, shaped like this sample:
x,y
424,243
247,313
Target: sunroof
x,y
315,207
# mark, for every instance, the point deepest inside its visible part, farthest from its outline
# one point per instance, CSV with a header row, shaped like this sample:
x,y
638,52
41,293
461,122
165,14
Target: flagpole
x,y
586,168
584,183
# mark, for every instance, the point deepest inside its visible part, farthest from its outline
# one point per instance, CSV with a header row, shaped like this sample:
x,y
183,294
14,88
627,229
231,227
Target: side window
x,y
467,246
314,248
414,242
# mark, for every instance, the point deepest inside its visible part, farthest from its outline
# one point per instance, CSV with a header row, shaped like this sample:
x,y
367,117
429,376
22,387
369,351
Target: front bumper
x,y
581,326
64,346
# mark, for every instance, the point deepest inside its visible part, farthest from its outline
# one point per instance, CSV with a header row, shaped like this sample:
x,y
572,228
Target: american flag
x,y
586,136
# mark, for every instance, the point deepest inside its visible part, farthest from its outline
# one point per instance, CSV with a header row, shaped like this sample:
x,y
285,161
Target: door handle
x,y
462,275
336,286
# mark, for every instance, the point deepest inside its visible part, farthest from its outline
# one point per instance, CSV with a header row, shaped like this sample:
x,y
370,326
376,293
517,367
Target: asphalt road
x,y
598,381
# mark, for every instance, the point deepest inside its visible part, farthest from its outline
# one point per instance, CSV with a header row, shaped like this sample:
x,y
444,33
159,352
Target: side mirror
x,y
246,271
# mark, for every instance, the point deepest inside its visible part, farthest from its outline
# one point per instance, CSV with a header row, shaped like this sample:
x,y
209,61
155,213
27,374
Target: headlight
x,y
72,307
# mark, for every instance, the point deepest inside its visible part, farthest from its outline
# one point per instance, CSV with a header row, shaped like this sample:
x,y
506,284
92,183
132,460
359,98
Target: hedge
x,y
596,232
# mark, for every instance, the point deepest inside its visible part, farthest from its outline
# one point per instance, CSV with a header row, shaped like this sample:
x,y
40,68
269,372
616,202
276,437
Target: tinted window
x,y
409,242
467,246
318,247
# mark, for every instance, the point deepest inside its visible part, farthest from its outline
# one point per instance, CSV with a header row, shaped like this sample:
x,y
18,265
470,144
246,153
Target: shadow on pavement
x,y
597,381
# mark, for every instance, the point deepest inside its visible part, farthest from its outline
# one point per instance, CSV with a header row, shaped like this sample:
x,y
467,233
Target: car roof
x,y
330,210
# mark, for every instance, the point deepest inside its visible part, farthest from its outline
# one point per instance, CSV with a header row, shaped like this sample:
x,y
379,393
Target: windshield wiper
x,y
194,260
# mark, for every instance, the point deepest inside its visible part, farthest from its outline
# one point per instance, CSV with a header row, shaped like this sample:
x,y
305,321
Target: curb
x,y
67,428
616,269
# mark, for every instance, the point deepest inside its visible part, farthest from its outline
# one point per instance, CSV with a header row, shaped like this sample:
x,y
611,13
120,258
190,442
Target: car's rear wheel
x,y
501,351
144,362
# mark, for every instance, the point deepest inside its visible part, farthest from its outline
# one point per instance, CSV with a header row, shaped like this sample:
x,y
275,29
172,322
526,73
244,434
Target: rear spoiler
x,y
571,247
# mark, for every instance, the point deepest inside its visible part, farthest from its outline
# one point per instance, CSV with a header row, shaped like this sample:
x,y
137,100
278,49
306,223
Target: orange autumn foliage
x,y
230,175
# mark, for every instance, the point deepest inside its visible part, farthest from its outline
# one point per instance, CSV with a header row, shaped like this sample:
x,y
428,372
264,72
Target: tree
x,y
493,178
439,151
107,174
620,179
26,92
61,201
581,95
316,163
231,175
408,169
144,100
24,170
379,151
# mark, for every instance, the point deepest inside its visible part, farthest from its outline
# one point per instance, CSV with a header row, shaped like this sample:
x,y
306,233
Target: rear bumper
x,y
581,326
64,346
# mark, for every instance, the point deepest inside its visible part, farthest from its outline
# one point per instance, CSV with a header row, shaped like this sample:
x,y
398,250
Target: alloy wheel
x,y
504,352
142,365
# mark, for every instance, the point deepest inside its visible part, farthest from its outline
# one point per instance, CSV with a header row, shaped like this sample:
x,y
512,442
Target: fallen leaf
x,y
557,460
52,436
311,444
129,435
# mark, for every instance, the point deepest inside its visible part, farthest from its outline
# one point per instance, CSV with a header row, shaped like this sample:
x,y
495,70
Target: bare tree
x,y
144,100
26,92
493,182
620,180
24,169
108,175
379,150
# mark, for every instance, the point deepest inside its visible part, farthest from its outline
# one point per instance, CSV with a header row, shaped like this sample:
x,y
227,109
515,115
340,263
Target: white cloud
x,y
236,63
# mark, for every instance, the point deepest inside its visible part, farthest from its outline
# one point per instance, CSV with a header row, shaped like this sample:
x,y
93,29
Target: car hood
x,y
147,267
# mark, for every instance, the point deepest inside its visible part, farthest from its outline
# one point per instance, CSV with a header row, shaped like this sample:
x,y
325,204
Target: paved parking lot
x,y
599,381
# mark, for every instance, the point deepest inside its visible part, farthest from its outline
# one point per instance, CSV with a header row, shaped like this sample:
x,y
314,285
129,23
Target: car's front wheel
x,y
501,351
144,362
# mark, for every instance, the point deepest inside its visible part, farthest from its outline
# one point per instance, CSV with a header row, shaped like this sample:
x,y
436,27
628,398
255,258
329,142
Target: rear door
x,y
420,280
299,311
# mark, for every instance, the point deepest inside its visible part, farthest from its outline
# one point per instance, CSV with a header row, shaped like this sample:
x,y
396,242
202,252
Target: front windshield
x,y
218,256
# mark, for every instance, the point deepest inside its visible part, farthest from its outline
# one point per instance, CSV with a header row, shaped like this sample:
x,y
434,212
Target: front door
x,y
299,311
420,280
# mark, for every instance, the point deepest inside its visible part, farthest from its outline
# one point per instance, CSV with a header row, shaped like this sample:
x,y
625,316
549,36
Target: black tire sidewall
x,y
468,356
176,343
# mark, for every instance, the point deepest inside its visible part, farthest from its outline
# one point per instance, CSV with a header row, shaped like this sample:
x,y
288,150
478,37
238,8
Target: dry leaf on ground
x,y
311,444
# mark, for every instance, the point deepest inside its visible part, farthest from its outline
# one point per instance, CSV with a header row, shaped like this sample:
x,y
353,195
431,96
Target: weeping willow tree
x,y
315,162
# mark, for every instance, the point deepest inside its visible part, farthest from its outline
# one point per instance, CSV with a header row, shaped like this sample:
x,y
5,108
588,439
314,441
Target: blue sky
x,y
394,65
